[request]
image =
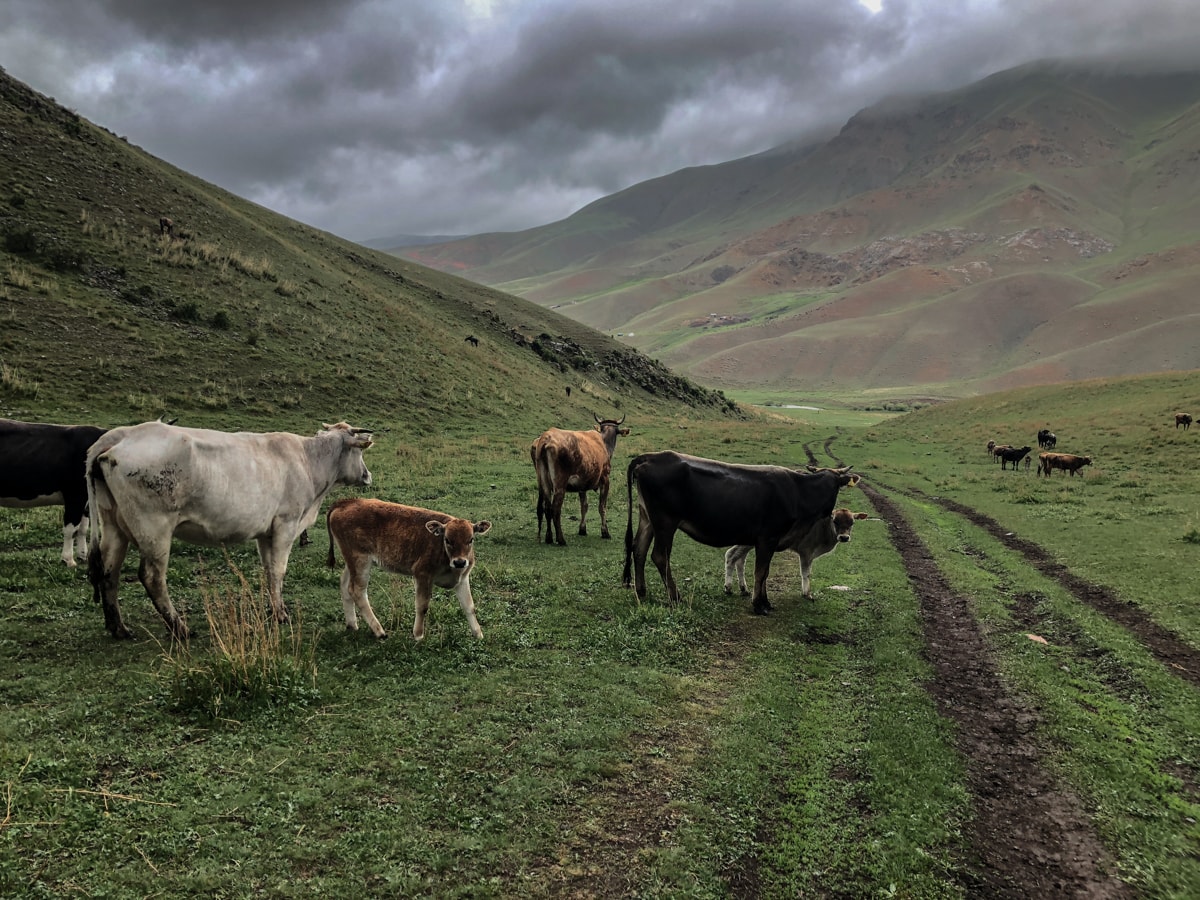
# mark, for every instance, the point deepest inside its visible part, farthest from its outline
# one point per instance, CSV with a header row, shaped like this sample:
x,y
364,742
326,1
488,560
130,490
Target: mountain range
x,y
1038,226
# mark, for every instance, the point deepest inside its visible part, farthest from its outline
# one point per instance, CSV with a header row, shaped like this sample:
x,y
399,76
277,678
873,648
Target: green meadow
x,y
590,745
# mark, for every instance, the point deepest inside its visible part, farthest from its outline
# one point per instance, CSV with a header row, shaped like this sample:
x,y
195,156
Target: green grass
x,y
783,756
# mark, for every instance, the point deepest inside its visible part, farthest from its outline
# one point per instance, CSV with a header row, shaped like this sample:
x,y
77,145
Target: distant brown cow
x,y
821,539
998,449
166,226
1047,462
432,547
991,448
1183,419
575,462
1012,455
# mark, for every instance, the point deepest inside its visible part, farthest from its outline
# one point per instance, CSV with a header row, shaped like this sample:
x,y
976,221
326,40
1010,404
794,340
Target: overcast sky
x,y
371,118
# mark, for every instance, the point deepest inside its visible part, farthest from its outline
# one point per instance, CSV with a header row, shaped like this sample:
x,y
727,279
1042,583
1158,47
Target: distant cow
x,y
998,450
1047,462
44,465
1183,419
151,482
472,340
1012,455
821,539
991,449
1046,439
721,504
166,226
574,462
432,547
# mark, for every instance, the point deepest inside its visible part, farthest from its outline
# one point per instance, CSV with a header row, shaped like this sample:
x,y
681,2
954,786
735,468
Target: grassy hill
x,y
242,315
1041,223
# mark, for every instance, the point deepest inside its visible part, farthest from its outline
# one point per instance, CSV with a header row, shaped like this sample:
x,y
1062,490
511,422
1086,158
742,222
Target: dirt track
x,y
1029,837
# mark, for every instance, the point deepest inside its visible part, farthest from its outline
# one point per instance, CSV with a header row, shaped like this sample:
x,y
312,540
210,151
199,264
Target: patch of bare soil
x,y
1029,836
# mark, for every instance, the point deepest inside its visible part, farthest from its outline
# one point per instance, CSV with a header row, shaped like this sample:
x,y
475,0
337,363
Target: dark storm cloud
x,y
374,117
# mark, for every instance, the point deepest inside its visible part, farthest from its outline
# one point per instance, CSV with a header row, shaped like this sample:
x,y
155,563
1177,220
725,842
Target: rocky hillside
x,y
1037,226
236,315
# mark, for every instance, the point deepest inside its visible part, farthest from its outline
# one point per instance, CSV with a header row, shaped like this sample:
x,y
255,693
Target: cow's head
x,y
843,521
611,424
351,468
836,471
458,539
615,424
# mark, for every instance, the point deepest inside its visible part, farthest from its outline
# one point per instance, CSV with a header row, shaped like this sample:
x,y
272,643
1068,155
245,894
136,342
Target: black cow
x,y
1046,439
1012,455
44,465
721,504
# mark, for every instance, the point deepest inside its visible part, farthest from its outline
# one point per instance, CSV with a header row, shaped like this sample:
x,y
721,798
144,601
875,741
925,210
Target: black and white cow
x,y
44,465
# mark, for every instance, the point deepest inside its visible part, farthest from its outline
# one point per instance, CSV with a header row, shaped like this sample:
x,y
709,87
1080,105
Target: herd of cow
x,y
1048,460
150,483
147,484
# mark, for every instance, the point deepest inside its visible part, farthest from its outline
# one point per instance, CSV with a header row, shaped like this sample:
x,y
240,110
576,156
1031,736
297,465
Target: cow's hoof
x,y
606,535
382,637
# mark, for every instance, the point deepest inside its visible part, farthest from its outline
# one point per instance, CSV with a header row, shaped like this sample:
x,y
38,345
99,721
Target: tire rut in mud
x,y
1028,837
1167,647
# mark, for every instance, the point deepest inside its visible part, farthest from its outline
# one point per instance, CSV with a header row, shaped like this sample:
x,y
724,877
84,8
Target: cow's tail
x,y
543,467
627,572
98,495
330,558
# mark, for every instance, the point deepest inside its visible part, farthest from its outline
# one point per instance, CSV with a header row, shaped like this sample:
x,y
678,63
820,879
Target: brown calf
x,y
1047,462
821,539
1183,419
432,547
574,462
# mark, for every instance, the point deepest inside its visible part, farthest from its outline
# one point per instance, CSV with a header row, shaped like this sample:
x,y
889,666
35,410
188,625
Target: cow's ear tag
x,y
854,479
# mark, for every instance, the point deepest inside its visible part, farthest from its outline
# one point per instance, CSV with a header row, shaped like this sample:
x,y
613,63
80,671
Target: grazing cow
x,y
721,504
1012,455
432,547
1183,419
821,539
43,465
1068,462
166,226
472,340
575,462
150,482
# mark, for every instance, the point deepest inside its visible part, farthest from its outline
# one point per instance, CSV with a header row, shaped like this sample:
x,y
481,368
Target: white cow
x,y
148,483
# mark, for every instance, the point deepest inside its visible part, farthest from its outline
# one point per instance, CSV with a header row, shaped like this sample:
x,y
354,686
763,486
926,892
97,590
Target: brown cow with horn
x,y
574,462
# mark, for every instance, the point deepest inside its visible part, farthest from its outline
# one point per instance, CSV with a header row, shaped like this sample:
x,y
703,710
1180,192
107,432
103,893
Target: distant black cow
x,y
44,465
1012,455
166,226
1046,439
472,340
721,504
1183,419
